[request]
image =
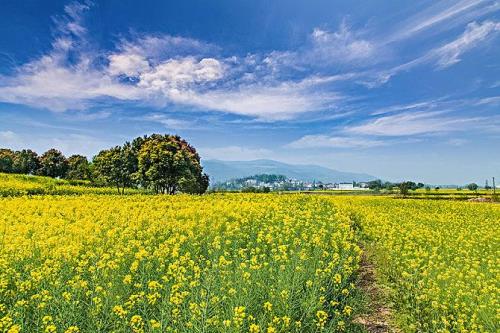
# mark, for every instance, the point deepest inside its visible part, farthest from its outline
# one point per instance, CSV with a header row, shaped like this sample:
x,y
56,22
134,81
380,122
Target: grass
x,y
19,185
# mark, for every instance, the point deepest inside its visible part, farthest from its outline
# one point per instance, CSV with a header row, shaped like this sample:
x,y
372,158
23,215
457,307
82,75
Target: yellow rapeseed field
x,y
16,185
218,263
242,262
440,258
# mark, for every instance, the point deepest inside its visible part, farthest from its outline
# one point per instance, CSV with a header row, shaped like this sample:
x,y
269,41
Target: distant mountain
x,y
220,171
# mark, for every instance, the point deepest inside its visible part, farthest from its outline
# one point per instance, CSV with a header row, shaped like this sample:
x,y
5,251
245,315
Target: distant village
x,y
282,183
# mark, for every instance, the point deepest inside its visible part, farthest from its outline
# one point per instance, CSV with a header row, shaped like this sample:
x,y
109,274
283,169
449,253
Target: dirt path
x,y
377,320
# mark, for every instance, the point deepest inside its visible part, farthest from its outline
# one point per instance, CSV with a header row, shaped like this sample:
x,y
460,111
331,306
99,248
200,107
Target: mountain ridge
x,y
220,171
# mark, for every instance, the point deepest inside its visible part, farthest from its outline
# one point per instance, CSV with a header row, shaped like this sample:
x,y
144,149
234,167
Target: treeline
x,y
263,178
160,163
404,187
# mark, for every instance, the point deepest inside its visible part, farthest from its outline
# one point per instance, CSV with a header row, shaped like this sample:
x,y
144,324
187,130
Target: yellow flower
x,y
14,329
72,329
268,306
254,328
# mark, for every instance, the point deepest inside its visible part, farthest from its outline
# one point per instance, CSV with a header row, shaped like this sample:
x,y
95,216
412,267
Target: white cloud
x,y
324,141
414,123
489,100
326,48
341,46
449,54
46,83
179,73
403,107
280,102
444,56
162,70
451,12
166,121
161,47
7,137
127,64
235,153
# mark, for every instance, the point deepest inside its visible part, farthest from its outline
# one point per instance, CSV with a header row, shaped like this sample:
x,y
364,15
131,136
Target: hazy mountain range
x,y
220,171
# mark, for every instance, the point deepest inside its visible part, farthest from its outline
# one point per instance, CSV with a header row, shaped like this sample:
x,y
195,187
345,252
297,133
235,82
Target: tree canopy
x,y
53,164
167,164
160,163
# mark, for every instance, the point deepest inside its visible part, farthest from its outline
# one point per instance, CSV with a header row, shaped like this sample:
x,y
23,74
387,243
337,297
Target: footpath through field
x,y
428,266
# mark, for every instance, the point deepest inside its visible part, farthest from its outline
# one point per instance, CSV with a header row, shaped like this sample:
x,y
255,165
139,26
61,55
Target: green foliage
x,y
472,187
26,161
163,163
168,164
53,164
6,160
252,189
78,168
405,187
265,178
115,167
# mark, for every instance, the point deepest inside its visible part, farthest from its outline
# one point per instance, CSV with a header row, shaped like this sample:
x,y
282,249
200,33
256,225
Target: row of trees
x,y
52,163
380,185
404,187
161,163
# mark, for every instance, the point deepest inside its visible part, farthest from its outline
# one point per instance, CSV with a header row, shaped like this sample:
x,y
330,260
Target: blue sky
x,y
397,89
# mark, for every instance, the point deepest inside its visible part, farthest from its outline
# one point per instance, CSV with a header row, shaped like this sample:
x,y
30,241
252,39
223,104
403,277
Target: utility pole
x,y
494,186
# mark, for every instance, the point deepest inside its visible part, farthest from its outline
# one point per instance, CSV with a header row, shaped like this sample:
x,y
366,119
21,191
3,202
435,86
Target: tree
x,y
78,168
375,184
406,186
6,160
53,164
112,166
26,161
472,187
168,164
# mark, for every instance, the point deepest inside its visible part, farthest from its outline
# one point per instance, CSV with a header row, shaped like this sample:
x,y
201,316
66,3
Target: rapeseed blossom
x,y
218,263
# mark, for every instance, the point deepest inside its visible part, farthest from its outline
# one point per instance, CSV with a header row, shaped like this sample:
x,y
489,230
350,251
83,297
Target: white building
x,y
346,186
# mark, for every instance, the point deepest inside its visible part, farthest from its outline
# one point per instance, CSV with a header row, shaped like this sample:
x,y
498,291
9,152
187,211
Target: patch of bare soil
x,y
479,200
378,317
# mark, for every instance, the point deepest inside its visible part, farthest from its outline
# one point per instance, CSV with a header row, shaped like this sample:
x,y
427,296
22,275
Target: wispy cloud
x,y
415,123
494,100
444,12
161,70
7,137
443,56
148,70
449,54
168,122
404,107
324,141
235,153
327,48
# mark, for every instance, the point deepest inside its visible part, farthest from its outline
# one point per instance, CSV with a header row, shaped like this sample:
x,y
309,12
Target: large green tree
x,y
53,164
168,164
472,187
26,161
6,160
115,167
78,168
